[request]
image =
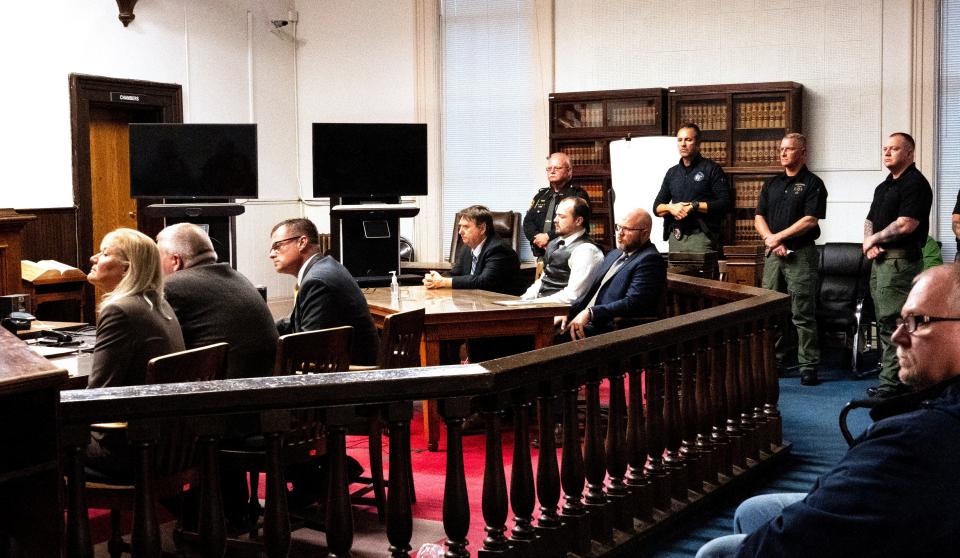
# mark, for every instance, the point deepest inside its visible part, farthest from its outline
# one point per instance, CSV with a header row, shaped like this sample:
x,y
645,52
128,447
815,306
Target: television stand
x,y
368,243
191,209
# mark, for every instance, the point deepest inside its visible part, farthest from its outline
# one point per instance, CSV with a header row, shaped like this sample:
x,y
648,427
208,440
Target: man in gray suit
x,y
215,303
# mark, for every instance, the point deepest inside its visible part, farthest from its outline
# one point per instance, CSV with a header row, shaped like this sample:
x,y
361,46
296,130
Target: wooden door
x,y
110,173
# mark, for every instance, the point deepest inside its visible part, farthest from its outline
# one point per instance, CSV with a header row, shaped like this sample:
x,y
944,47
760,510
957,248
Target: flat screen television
x,y
369,161
193,161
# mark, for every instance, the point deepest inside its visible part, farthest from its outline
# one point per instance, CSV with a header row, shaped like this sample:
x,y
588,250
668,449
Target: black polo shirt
x,y
535,221
784,200
907,196
702,181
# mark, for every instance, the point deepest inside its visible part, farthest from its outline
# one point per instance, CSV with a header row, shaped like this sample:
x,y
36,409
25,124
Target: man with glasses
x,y
326,295
693,198
788,213
895,491
538,222
893,237
629,284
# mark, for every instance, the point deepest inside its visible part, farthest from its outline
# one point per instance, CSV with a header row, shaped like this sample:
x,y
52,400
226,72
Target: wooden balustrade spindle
x,y
718,396
522,497
456,506
731,383
212,523
573,515
79,543
338,515
399,513
637,445
618,493
494,501
671,428
548,474
758,377
659,476
145,537
705,448
772,395
595,462
689,419
276,514
746,396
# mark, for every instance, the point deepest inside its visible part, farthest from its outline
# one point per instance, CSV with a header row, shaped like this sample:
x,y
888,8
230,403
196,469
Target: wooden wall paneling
x,y
52,236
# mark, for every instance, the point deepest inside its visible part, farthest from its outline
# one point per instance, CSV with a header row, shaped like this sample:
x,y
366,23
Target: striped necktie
x,y
473,265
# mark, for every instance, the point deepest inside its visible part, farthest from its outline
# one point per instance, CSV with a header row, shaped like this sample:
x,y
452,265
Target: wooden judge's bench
x,y
11,249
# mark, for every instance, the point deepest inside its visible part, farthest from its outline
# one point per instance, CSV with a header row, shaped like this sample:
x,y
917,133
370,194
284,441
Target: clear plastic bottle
x,y
394,286
431,550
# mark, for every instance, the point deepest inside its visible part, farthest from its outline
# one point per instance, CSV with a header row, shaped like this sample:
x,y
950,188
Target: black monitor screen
x,y
369,160
193,161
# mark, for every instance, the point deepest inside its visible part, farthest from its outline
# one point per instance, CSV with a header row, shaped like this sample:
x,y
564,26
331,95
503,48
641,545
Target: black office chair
x,y
844,306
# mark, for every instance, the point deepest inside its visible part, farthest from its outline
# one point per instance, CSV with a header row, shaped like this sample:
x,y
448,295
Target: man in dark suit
x,y
326,294
485,261
240,317
628,284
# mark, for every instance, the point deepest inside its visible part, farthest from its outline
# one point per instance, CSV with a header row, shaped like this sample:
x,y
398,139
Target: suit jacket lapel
x,y
295,316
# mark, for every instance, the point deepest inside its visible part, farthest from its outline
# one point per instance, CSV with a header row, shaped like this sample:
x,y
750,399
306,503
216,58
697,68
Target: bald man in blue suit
x,y
628,284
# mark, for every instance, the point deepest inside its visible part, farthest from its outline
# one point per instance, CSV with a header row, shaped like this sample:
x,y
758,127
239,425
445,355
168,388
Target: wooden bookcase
x,y
742,125
582,125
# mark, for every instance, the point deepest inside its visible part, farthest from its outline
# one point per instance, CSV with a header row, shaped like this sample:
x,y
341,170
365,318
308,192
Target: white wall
x,y
854,58
231,68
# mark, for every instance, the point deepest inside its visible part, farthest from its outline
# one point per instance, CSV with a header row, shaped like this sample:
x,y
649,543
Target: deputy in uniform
x,y
893,237
538,222
693,198
955,225
788,213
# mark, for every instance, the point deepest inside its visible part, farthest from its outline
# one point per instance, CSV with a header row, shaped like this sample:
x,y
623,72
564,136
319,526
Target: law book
x,y
49,271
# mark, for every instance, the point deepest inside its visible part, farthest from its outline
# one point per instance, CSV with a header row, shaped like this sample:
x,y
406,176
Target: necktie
x,y
548,224
606,277
473,265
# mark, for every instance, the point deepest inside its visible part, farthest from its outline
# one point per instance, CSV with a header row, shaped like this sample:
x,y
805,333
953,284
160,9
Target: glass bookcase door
x,y
575,115
633,113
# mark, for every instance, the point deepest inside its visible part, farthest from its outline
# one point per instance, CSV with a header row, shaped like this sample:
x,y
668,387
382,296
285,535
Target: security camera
x,y
278,23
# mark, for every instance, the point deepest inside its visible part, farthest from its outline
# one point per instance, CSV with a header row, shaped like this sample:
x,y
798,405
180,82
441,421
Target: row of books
x,y
584,154
762,114
595,190
711,116
748,192
745,231
714,150
598,228
760,152
580,115
632,115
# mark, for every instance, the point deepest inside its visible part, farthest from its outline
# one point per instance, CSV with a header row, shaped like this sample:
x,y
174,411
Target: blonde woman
x,y
135,322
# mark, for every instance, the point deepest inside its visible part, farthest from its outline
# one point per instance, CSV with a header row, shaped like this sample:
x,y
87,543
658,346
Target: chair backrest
x,y
843,281
505,223
173,452
194,365
312,352
400,340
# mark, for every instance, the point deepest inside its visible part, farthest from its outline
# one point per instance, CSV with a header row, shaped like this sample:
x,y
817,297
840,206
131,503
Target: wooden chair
x,y
172,465
309,352
399,348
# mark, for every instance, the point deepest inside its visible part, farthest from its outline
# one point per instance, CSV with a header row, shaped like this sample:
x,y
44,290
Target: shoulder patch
x,y
699,176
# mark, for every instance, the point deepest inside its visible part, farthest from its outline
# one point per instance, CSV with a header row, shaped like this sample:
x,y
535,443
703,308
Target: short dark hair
x,y
300,227
581,208
691,126
907,138
480,215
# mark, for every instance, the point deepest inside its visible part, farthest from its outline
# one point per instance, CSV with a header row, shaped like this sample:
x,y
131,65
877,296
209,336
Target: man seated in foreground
x,y
570,257
896,490
484,262
215,303
326,294
628,284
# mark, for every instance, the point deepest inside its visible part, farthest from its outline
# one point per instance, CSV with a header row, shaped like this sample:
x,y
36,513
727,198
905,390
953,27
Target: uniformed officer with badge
x,y
538,222
893,237
788,213
693,198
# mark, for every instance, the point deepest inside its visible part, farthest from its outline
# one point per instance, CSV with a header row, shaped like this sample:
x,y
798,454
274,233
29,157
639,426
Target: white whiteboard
x,y
637,167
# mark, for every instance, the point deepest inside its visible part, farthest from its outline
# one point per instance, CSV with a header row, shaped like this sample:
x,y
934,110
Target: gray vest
x,y
556,267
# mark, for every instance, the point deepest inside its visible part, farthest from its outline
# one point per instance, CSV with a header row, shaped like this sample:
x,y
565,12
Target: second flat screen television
x,y
369,161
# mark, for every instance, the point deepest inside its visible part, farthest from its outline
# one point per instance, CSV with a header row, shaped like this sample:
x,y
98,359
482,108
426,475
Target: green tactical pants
x,y
694,242
796,274
890,282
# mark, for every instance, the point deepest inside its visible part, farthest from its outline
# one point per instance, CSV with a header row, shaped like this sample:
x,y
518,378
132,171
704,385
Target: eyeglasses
x,y
278,244
551,169
619,228
911,322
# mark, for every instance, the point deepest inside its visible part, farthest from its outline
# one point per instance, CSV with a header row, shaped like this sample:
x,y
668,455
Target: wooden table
x,y
459,314
56,290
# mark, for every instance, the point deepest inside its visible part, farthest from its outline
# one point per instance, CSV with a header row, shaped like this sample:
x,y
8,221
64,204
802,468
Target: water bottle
x,y
431,550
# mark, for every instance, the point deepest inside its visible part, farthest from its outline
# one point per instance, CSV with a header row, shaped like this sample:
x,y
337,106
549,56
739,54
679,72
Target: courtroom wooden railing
x,y
692,408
